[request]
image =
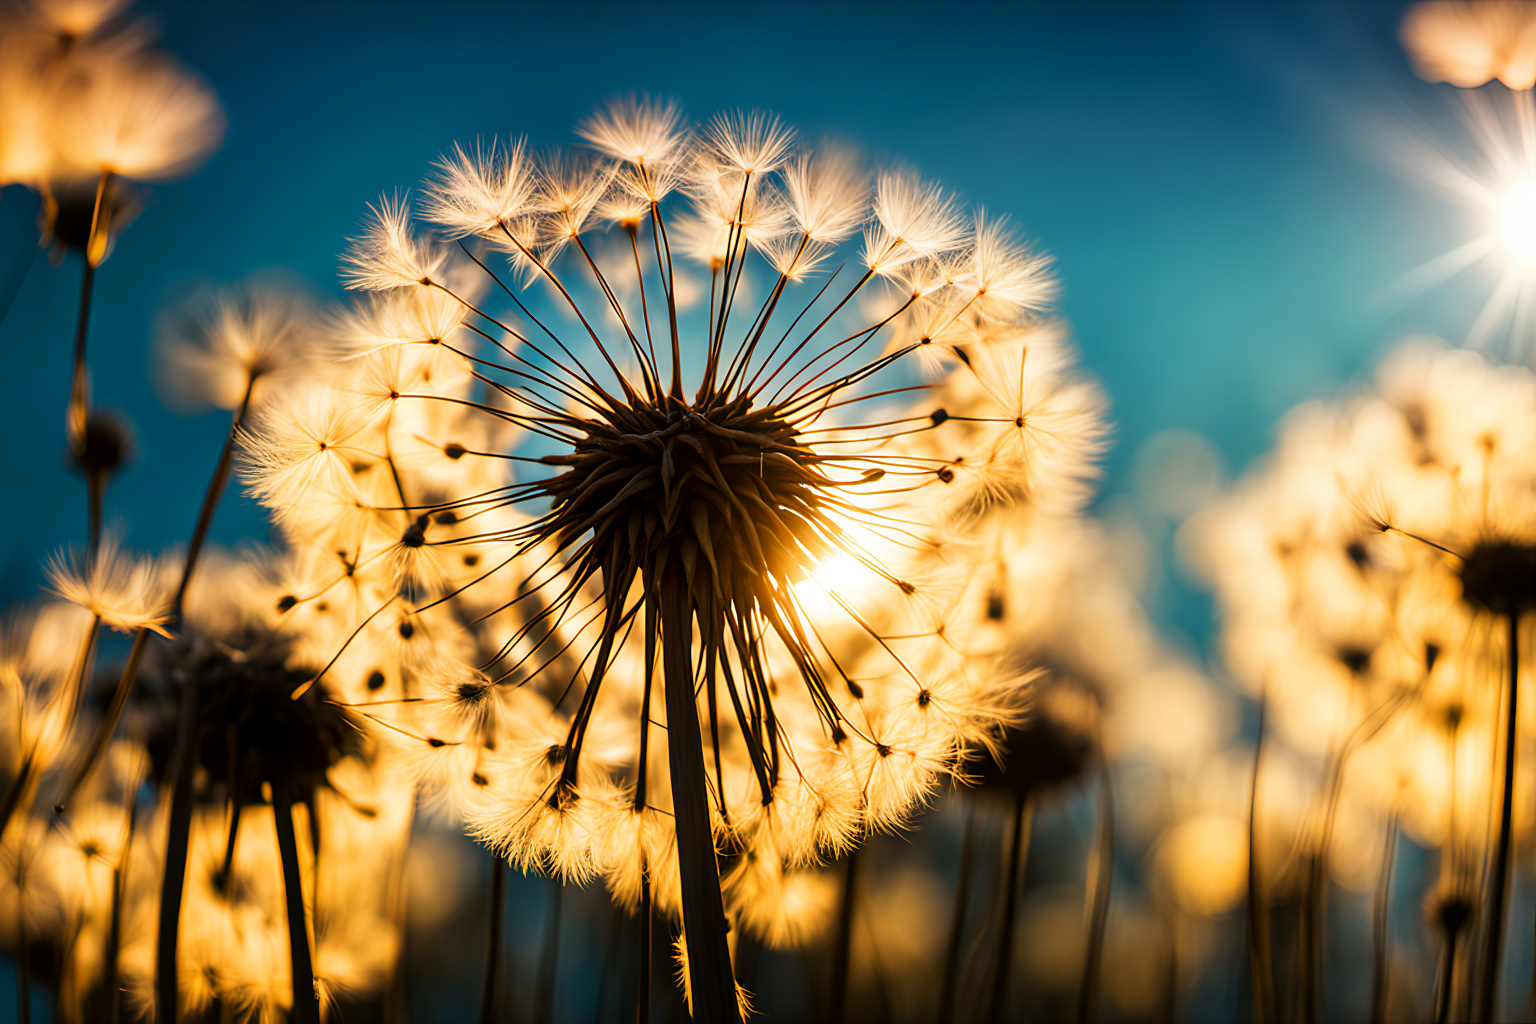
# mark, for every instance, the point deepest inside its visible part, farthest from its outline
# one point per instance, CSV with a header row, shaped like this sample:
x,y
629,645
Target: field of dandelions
x,y
684,600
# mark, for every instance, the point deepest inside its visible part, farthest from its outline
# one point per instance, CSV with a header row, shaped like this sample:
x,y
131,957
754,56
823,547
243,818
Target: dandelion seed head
x,y
144,118
126,592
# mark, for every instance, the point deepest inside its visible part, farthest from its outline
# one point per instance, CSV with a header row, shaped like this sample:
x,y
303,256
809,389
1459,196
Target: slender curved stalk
x,y
549,958
79,386
647,940
843,944
957,919
115,927
23,964
108,726
306,1007
1445,985
493,939
1498,901
1017,854
711,980
1258,902
1380,918
1100,876
173,880
211,498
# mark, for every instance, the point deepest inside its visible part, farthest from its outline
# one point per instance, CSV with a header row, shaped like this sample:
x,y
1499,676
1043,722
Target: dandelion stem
x,y
79,388
1498,902
95,485
1100,877
709,959
1017,853
176,843
1380,919
957,919
1445,985
647,939
211,497
549,957
493,938
1258,901
306,1008
115,926
23,961
108,726
838,1005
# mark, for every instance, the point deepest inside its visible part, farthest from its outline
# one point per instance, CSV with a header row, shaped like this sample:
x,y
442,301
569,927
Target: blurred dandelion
x,y
1375,577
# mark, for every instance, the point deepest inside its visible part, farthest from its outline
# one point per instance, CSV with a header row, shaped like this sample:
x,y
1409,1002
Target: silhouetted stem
x,y
211,497
306,1007
1317,898
549,958
108,726
1498,902
957,919
79,399
844,942
173,880
1446,984
1018,851
1380,919
1258,902
23,963
493,939
95,486
115,926
647,938
709,959
1100,877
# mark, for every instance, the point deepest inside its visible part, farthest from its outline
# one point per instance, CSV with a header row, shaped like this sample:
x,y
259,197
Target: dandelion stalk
x,y
1018,851
709,959
952,948
842,946
1258,900
1100,875
1380,918
549,954
306,1007
184,761
1498,899
108,726
23,960
79,389
493,939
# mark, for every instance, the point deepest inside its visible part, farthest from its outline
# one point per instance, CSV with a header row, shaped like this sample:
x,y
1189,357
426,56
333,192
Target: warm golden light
x,y
1517,220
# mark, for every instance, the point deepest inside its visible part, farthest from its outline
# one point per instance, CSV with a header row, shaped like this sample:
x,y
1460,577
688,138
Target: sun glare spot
x,y
1517,221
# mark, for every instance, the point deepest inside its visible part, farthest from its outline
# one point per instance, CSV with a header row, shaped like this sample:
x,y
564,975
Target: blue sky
x,y
1225,242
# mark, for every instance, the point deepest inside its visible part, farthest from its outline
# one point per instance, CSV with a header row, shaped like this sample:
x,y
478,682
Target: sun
x,y
1517,221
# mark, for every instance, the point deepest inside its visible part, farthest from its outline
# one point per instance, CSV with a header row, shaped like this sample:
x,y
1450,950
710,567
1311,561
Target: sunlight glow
x,y
1517,220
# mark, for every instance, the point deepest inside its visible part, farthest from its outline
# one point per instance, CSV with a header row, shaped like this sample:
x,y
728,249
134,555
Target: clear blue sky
x,y
1223,242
